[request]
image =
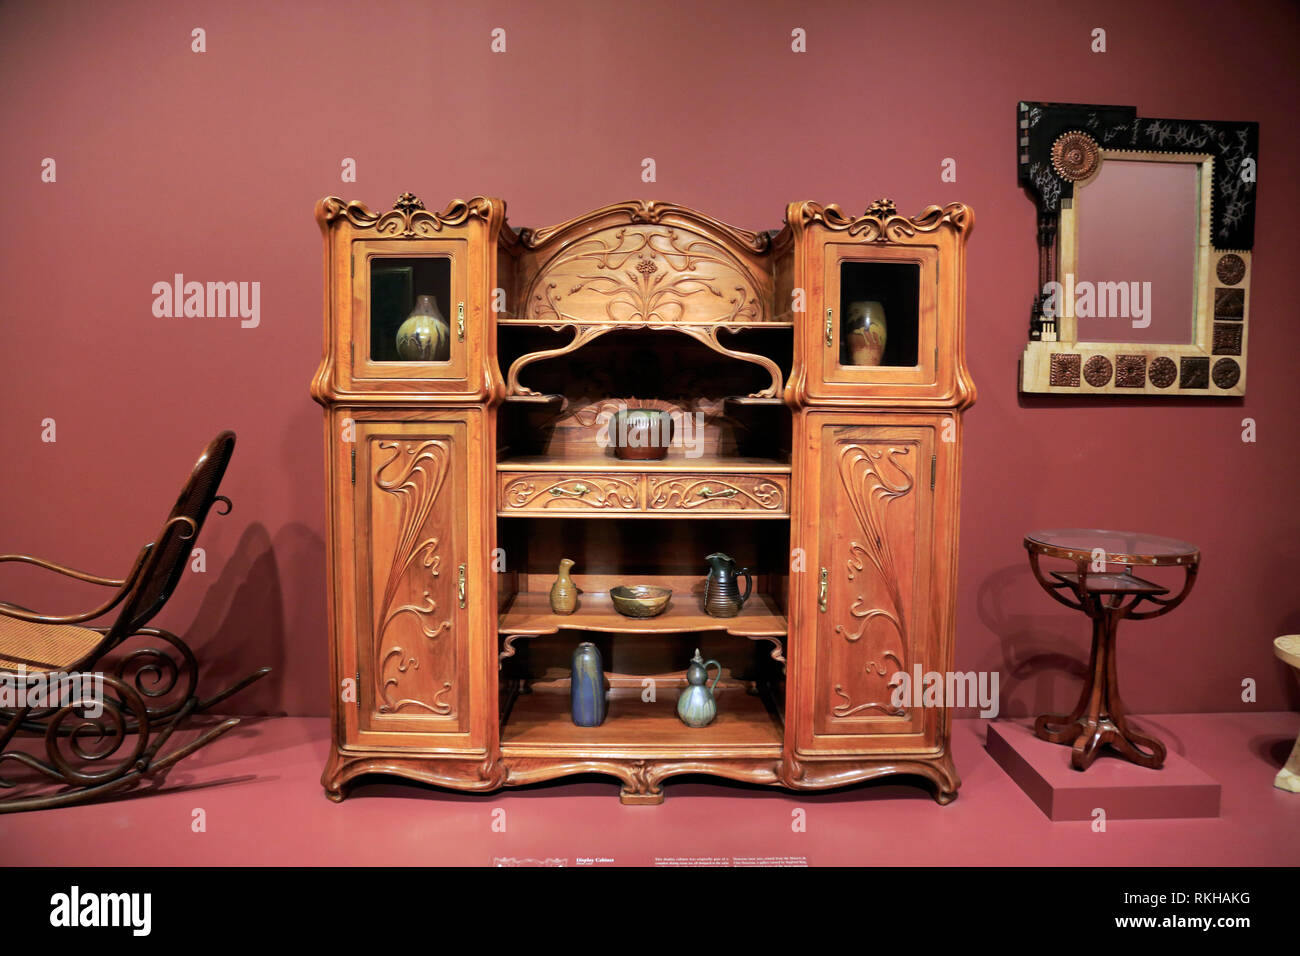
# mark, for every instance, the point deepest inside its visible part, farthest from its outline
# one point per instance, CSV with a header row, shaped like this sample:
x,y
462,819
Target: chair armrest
x,y
61,569
123,586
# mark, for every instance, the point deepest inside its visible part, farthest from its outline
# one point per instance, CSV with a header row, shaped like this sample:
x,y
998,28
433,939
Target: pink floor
x,y
259,789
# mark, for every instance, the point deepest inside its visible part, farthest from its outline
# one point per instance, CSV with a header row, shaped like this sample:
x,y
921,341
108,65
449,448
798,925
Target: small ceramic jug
x,y
587,686
564,593
425,336
696,706
866,330
722,596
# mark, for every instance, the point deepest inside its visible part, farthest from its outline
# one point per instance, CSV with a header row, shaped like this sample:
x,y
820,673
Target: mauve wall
x,y
209,165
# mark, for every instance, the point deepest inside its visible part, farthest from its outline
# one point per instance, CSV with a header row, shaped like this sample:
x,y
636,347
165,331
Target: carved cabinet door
x,y
877,601
416,663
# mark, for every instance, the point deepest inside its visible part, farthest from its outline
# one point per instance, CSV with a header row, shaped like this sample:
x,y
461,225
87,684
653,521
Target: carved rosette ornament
x,y
1097,371
1162,372
1231,269
1226,373
1075,156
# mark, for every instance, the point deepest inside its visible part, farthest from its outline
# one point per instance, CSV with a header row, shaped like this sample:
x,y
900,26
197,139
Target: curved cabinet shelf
x,y
530,615
584,333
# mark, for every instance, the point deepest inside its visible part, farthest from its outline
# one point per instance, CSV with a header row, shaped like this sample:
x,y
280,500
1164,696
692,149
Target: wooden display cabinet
x,y
456,486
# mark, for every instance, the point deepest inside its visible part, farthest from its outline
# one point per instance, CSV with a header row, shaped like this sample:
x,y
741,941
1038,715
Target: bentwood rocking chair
x,y
63,685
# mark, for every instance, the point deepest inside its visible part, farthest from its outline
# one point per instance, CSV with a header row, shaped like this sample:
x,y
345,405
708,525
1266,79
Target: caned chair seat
x,y
42,648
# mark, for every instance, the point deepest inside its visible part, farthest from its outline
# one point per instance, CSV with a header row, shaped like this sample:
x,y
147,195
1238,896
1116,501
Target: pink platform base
x,y
1123,789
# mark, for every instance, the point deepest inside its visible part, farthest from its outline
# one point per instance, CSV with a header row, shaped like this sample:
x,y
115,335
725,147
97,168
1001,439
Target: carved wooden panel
x,y
645,274
557,492
738,494
414,658
876,482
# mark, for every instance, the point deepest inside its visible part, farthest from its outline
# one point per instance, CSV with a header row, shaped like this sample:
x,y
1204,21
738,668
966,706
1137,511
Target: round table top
x,y
1121,547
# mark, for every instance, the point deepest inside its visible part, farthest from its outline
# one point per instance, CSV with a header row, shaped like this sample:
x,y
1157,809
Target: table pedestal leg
x,y
1099,717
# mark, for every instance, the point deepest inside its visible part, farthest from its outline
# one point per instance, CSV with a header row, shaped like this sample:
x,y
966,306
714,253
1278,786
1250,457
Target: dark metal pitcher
x,y
722,596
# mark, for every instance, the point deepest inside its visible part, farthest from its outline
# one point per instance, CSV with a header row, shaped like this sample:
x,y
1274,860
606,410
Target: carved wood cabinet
x,y
819,454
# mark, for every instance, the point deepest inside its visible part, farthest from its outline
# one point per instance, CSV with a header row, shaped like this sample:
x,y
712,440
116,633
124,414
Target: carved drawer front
x,y
567,493
733,494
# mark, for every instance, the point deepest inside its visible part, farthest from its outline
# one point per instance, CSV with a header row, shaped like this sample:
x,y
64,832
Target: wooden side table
x,y
1287,647
1107,598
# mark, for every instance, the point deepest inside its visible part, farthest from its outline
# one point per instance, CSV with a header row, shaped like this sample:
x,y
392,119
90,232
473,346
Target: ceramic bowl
x,y
640,600
641,434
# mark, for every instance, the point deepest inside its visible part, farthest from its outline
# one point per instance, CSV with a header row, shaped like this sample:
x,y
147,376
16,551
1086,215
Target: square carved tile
x,y
1227,339
1195,372
1065,369
1130,371
1229,304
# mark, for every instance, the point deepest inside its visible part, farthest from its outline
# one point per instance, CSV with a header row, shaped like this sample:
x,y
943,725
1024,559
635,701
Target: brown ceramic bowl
x,y
640,600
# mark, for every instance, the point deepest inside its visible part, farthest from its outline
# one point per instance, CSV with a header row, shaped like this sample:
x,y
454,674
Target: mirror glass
x,y
1138,224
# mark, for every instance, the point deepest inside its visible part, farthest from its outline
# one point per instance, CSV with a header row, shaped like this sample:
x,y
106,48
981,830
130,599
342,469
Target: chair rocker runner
x,y
85,715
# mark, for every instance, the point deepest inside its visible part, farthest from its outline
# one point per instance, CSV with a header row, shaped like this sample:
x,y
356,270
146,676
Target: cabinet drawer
x,y
752,494
573,493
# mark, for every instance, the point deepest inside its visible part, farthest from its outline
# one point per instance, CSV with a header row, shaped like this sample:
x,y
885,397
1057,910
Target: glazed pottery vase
x,y
696,706
722,596
641,434
587,692
564,593
425,336
865,331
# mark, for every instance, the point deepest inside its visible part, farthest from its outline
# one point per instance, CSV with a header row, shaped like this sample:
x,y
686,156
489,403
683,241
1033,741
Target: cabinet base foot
x,y
630,798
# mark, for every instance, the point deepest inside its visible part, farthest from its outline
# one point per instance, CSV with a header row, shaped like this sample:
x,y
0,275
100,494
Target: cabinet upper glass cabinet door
x,y
409,310
878,324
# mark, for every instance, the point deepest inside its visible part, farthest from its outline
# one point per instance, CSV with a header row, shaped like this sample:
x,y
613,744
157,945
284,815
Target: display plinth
x,y
1122,789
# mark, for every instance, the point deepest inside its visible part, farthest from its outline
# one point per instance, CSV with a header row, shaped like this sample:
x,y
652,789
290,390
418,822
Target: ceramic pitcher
x,y
696,706
722,597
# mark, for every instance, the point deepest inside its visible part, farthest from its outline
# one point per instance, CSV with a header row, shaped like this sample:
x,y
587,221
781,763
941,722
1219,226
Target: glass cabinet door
x,y
879,317
409,310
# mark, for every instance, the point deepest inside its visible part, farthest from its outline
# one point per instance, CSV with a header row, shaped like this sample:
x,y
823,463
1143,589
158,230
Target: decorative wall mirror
x,y
1145,228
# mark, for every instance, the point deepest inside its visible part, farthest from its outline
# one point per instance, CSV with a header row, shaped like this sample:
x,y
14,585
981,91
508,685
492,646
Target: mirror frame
x,y
1061,144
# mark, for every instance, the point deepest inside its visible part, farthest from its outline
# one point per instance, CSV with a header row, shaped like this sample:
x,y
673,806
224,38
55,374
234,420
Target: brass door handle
x,y
460,585
830,331
460,321
707,492
578,490
821,592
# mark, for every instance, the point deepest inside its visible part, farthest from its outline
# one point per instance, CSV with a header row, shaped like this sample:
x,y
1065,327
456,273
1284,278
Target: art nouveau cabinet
x,y
457,482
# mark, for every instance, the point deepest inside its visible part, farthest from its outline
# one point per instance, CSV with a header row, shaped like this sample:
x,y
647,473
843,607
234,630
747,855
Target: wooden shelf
x,y
675,462
542,719
530,615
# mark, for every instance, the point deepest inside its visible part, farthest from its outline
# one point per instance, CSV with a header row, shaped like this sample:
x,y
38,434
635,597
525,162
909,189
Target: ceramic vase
x,y
587,690
696,706
425,336
865,330
564,593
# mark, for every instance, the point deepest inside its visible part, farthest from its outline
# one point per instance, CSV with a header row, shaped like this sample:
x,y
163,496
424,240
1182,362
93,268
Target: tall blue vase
x,y
588,686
